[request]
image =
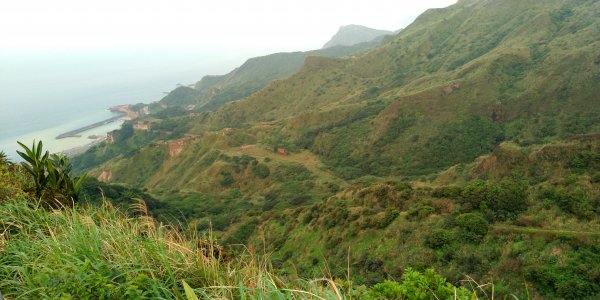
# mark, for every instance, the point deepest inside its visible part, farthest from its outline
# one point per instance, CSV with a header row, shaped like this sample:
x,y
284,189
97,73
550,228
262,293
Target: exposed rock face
x,y
175,147
105,176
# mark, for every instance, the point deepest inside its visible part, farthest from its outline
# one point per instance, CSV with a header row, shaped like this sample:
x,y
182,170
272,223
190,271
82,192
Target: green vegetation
x,y
491,226
212,92
101,253
415,285
500,201
51,175
468,143
127,143
98,251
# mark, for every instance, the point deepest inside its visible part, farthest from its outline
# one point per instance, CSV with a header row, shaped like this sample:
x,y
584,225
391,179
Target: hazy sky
x,y
251,24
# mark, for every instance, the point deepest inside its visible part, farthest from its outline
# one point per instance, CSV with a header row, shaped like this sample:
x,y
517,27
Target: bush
x,y
51,175
473,226
261,170
418,286
574,276
390,215
438,238
572,200
420,211
292,172
505,200
450,191
227,179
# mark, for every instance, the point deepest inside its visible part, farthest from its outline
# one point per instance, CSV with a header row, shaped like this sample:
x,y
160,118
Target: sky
x,y
278,25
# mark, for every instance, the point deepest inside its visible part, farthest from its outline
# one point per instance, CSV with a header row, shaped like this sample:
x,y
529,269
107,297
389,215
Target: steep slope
x,y
449,88
537,224
355,34
494,103
518,70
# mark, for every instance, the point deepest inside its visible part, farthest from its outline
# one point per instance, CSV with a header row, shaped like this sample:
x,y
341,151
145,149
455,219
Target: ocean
x,y
46,93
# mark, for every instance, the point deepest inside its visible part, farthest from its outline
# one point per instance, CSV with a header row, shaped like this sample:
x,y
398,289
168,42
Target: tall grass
x,y
102,253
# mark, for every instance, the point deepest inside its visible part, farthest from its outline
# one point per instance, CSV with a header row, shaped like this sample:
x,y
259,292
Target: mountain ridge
x,y
352,34
427,148
212,91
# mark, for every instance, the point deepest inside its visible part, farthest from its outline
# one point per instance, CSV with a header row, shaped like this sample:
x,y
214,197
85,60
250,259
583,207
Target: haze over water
x,y
44,94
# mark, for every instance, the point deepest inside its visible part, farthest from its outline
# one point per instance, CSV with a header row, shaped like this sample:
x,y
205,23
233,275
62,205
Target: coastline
x,y
124,114
82,149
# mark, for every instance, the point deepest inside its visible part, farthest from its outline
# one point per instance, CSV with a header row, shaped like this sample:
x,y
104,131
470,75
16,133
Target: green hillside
x,y
98,251
430,87
213,91
468,142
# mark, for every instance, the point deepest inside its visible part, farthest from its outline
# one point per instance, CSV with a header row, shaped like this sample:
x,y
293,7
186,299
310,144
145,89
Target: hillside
x,y
355,34
213,91
97,251
469,141
421,90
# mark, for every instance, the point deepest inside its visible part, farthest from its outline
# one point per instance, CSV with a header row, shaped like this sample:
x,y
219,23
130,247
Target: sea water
x,y
46,93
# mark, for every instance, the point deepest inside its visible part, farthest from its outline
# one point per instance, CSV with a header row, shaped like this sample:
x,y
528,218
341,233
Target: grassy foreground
x,y
100,253
103,253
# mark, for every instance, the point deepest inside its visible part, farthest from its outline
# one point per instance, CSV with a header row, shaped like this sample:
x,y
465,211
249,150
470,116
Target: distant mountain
x,y
215,90
354,34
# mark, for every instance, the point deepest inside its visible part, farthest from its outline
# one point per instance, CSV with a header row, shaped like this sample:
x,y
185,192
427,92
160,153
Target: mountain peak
x,y
352,34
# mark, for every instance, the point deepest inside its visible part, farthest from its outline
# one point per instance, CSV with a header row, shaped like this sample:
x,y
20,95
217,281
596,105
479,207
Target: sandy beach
x,y
81,149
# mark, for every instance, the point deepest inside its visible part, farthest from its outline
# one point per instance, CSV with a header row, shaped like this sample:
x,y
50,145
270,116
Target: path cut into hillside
x,y
541,231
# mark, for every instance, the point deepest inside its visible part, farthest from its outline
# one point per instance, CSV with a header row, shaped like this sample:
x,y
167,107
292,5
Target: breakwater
x,y
76,132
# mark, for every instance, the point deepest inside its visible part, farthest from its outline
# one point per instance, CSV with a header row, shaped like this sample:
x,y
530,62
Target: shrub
x,y
390,215
473,226
438,238
420,211
450,191
292,172
227,179
261,170
571,200
505,200
418,286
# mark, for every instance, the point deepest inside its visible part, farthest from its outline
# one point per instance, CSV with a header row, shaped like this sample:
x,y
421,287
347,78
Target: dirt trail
x,y
520,229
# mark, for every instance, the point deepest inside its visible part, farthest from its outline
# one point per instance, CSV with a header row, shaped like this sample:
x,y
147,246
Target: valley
x,y
467,143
